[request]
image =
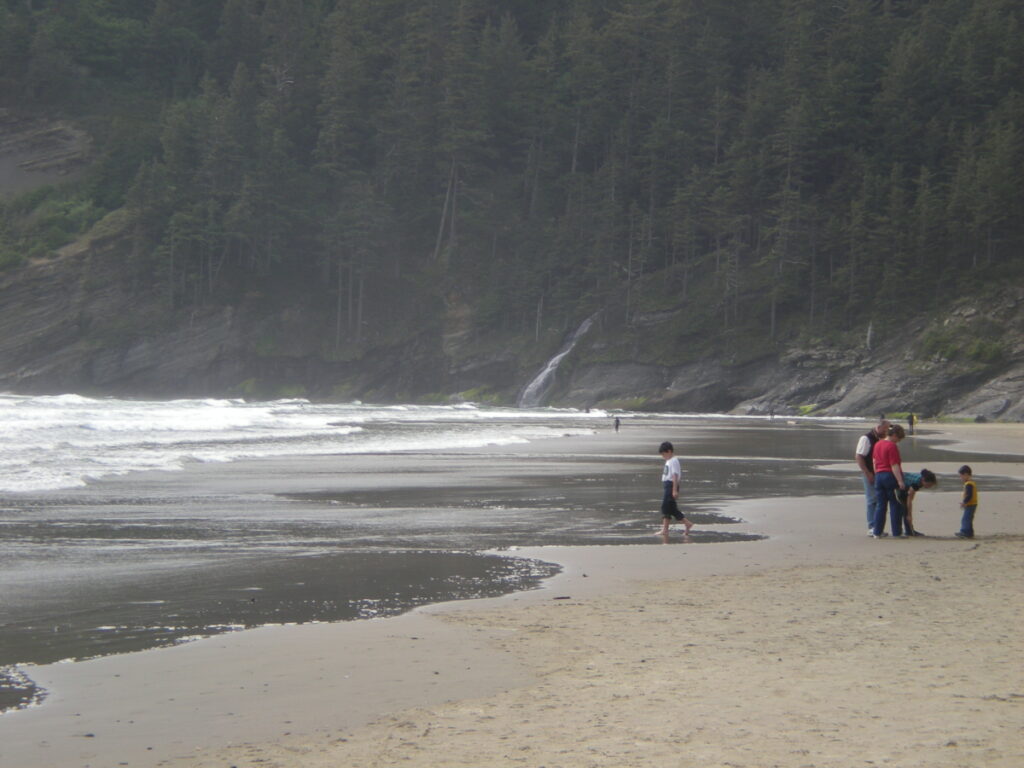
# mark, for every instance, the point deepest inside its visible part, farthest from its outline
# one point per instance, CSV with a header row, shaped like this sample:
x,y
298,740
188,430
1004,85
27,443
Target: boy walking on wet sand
x,y
670,475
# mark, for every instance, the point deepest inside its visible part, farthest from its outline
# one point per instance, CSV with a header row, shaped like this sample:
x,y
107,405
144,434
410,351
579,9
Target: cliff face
x,y
70,324
36,151
78,322
967,364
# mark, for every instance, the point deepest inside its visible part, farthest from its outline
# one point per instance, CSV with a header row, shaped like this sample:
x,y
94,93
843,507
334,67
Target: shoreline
x,y
289,694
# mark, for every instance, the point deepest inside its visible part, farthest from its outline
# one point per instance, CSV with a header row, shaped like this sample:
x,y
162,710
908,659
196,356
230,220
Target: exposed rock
x,y
495,367
35,151
615,381
80,323
839,382
999,398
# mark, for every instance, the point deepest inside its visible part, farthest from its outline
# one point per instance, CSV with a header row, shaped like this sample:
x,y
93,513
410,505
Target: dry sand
x,y
818,647
908,660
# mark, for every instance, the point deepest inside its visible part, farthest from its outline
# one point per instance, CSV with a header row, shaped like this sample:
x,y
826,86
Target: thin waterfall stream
x,y
534,392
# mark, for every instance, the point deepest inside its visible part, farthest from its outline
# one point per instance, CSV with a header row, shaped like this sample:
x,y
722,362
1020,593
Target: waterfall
x,y
536,389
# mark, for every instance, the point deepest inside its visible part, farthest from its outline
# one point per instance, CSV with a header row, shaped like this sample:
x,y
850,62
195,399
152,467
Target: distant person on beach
x,y
915,482
670,476
910,423
968,503
888,479
617,422
867,468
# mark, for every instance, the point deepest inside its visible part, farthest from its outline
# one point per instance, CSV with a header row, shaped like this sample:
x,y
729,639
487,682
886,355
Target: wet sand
x,y
817,646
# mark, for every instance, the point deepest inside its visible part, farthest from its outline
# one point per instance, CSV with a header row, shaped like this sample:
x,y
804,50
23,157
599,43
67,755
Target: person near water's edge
x,y
888,480
670,476
915,482
867,468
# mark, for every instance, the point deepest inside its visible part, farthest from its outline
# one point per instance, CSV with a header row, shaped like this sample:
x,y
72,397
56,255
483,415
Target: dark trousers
x,y
885,488
967,521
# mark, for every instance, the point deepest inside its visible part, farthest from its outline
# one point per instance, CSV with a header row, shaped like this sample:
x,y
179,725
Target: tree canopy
x,y
770,164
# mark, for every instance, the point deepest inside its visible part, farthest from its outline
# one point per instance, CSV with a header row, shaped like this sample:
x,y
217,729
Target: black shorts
x,y
669,508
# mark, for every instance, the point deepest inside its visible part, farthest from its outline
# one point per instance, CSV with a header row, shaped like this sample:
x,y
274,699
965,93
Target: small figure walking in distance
x,y
617,422
969,503
670,476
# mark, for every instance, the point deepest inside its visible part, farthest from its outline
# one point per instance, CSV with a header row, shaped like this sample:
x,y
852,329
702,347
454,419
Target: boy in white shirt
x,y
670,476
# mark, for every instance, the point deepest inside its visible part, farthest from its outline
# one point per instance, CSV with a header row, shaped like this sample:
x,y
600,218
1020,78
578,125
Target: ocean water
x,y
132,524
65,441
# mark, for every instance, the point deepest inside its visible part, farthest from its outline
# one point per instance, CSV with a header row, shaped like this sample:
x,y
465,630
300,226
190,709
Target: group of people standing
x,y
887,488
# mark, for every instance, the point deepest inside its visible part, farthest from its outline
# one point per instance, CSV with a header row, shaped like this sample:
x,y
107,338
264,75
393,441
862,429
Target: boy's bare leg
x,y
686,522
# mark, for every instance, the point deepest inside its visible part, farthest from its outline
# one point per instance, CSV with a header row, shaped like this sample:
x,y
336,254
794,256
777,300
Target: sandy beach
x,y
815,647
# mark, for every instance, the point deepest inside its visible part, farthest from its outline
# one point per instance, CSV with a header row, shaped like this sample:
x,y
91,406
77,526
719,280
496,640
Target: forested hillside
x,y
762,172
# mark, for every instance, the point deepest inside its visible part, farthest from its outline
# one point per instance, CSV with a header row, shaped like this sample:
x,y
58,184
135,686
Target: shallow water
x,y
156,558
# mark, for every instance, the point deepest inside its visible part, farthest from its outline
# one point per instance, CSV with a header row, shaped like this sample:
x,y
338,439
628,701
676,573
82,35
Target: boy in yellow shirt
x,y
969,503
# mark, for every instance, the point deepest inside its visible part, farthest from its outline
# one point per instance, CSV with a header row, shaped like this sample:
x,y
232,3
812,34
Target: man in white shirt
x,y
867,467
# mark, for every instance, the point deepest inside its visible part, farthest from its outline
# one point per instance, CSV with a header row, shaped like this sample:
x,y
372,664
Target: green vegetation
x,y
630,404
343,392
772,169
974,342
40,222
986,352
247,388
482,395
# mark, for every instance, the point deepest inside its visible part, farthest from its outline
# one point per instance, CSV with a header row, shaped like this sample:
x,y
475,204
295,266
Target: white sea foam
x,y
66,441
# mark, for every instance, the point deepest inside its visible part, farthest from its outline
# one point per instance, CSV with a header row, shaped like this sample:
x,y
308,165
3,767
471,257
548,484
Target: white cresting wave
x,y
65,441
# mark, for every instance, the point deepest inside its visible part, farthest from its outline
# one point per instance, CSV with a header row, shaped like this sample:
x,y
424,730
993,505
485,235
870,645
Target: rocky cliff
x,y
35,150
81,322
84,319
968,363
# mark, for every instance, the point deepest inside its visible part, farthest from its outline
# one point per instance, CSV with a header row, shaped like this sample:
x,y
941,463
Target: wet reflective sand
x,y
154,558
